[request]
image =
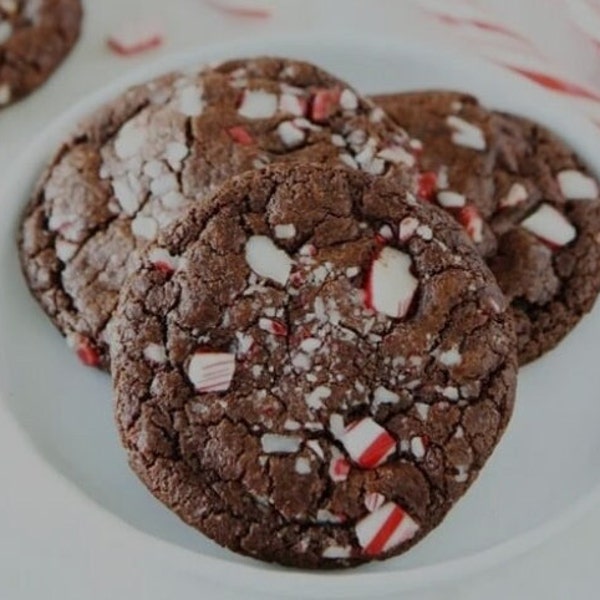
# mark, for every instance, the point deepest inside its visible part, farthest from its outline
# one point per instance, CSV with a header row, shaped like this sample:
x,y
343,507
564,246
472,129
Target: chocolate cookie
x,y
528,202
35,37
312,367
139,162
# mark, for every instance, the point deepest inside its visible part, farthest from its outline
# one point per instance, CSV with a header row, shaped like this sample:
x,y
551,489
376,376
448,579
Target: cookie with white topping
x,y
35,38
527,200
136,165
313,367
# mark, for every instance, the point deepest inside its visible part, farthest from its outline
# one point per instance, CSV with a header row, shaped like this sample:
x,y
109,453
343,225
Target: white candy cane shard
x,y
466,134
391,286
384,529
257,104
417,447
396,155
367,443
135,38
374,501
316,448
338,552
155,353
302,466
211,371
314,400
290,103
550,225
273,443
336,426
449,199
385,231
383,396
267,260
285,232
408,227
348,100
575,185
290,135
516,195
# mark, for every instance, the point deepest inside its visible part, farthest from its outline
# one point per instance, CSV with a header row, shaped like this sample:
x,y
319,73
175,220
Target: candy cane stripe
x,y
393,521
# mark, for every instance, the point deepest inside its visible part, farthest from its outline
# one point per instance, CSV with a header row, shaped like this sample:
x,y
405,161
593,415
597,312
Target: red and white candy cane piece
x,y
85,349
374,501
339,467
384,529
368,443
135,38
211,371
240,135
324,104
162,260
427,186
273,326
390,284
471,220
550,225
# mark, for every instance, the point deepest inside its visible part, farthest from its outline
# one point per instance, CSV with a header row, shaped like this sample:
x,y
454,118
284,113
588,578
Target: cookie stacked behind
x,y
528,202
137,164
35,37
312,367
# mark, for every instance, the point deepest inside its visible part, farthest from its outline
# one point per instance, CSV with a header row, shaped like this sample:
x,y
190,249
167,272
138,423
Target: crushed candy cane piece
x,y
136,38
367,443
384,529
211,371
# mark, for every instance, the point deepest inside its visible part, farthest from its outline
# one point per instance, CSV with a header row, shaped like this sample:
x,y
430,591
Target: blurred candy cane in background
x,y
554,43
256,9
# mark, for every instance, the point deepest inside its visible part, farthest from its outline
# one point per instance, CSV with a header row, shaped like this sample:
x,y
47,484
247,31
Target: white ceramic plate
x,y
69,501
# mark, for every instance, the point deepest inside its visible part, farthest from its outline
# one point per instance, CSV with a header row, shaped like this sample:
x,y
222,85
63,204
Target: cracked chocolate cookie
x,y
528,202
312,367
137,164
35,37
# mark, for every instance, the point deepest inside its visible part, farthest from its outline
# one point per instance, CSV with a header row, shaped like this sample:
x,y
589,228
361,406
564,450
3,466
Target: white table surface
x,y
564,567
